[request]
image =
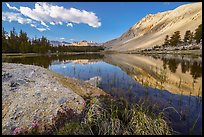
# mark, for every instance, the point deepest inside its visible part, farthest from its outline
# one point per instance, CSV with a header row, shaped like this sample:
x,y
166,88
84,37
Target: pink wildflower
x,y
34,124
84,103
108,95
17,131
61,111
97,95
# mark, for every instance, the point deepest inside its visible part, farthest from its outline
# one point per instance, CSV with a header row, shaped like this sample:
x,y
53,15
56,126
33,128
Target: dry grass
x,y
106,116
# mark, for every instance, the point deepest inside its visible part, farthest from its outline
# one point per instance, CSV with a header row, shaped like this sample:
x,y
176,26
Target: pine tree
x,y
4,34
175,39
12,41
188,37
198,34
4,41
24,45
166,41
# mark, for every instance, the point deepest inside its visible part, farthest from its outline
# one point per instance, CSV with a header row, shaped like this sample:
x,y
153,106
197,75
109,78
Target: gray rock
x,y
20,81
14,84
38,94
6,75
62,100
94,81
28,94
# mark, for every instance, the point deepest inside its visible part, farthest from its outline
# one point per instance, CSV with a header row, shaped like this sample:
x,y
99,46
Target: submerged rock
x,y
94,81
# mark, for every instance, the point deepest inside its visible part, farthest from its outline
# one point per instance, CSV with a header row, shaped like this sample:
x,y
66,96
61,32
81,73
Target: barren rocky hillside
x,y
153,28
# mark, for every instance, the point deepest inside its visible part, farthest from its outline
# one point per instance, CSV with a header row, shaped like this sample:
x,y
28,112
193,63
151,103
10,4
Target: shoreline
x,y
59,105
33,93
175,52
39,54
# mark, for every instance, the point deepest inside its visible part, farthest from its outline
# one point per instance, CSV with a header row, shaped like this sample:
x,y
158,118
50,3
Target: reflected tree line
x,y
45,61
194,67
191,65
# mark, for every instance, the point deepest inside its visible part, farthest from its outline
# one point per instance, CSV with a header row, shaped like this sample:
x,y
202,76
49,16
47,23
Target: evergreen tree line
x,y
20,43
189,37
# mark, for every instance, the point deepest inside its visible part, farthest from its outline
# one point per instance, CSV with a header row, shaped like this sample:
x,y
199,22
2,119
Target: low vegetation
x,y
108,116
104,115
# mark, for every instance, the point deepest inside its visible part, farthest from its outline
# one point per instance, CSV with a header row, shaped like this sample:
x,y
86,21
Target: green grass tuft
x,y
107,116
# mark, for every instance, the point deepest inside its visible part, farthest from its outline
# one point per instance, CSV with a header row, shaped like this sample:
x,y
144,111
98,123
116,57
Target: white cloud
x,y
60,22
69,24
44,13
71,39
11,16
58,14
41,29
12,8
62,38
52,23
33,25
44,24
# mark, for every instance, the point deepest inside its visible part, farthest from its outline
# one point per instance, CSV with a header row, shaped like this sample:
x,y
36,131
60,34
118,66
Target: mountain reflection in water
x,y
137,78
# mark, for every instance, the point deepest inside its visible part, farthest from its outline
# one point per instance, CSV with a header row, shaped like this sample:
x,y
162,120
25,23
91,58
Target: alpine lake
x,y
162,82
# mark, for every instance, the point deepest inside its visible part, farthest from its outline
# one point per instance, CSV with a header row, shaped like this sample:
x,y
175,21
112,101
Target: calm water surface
x,y
116,75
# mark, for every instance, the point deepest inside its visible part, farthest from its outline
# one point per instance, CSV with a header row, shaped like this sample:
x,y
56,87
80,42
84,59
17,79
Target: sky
x,y
77,21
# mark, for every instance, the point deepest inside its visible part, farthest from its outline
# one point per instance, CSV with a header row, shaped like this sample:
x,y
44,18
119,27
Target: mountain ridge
x,y
152,29
75,43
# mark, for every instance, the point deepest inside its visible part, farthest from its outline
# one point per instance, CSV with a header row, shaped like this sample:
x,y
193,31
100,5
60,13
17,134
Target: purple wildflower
x,y
17,131
34,125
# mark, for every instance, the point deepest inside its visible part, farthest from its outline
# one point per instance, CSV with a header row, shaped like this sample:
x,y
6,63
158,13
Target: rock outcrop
x,y
33,94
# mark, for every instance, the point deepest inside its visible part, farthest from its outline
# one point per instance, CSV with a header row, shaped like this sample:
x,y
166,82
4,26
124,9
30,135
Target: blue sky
x,y
76,21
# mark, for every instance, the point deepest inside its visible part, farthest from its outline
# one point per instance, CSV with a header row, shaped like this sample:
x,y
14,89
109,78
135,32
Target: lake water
x,y
168,83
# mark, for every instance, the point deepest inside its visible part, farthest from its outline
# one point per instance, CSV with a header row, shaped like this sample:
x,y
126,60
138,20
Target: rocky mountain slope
x,y
153,28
